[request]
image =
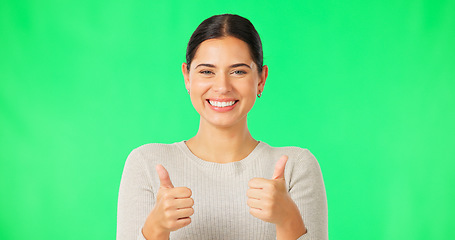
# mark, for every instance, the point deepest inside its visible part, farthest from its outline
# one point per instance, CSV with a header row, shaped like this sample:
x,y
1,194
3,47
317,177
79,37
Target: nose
x,y
222,83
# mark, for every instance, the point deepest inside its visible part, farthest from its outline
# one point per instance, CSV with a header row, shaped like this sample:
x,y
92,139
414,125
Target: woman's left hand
x,y
269,201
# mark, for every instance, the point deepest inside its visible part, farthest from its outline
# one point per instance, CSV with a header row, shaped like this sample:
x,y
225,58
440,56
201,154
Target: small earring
x,y
259,94
188,91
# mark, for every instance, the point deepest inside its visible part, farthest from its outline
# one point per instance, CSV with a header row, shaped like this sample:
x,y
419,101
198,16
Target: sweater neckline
x,y
253,154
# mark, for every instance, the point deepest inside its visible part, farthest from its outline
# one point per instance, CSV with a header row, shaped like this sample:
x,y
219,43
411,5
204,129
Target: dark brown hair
x,y
222,26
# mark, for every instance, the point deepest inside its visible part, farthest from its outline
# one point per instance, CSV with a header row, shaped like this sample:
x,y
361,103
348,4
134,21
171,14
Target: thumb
x,y
279,168
165,181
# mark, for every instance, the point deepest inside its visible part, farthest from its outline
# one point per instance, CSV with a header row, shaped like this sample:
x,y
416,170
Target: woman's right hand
x,y
172,209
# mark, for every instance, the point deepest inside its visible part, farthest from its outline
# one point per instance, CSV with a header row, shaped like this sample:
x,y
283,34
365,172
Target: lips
x,y
222,105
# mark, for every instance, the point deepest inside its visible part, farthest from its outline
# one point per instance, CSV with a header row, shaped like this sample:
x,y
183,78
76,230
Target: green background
x,y
367,86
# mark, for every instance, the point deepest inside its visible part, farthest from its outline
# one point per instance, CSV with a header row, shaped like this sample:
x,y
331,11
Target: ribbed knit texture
x,y
219,191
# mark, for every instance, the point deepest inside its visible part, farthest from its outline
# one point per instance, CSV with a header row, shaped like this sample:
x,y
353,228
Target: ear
x,y
262,77
186,75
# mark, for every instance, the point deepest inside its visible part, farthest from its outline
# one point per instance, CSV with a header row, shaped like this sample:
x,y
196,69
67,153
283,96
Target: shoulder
x,y
155,148
300,159
155,153
302,168
295,154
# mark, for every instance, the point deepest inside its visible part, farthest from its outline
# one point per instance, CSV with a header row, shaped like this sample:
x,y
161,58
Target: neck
x,y
222,145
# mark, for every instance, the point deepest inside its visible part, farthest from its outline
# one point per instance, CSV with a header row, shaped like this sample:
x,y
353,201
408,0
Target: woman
x,y
222,183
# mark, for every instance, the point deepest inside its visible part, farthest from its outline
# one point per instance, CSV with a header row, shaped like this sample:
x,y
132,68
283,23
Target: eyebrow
x,y
205,65
239,65
232,66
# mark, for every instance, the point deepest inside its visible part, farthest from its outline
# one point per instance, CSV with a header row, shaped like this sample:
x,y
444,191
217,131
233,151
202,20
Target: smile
x,y
222,104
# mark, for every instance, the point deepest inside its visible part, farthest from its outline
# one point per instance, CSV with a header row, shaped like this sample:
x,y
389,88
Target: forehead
x,y
226,50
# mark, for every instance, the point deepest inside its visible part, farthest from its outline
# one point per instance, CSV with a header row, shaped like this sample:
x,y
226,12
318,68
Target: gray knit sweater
x,y
219,191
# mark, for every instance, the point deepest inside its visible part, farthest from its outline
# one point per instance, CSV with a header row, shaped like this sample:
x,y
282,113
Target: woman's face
x,y
223,81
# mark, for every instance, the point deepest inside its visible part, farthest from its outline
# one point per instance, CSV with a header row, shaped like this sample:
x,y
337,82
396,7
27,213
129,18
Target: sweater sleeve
x,y
135,200
307,189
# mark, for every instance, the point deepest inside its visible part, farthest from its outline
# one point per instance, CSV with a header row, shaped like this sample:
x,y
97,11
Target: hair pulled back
x,y
225,25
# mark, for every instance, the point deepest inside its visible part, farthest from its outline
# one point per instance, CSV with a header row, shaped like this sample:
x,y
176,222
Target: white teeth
x,y
221,104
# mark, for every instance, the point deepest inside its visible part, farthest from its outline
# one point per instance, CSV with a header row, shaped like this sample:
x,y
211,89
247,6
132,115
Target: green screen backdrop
x,y
367,86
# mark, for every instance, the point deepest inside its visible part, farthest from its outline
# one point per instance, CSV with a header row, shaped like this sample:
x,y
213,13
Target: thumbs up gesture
x,y
172,210
269,201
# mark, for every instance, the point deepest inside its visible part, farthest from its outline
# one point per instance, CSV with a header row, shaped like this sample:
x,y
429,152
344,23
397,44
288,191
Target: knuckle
x,y
189,192
167,205
168,224
174,226
167,215
251,182
184,191
186,222
267,215
249,192
161,194
251,211
167,195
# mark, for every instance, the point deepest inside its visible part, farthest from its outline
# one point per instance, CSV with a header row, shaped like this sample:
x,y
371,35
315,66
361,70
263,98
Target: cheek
x,y
196,83
248,88
198,88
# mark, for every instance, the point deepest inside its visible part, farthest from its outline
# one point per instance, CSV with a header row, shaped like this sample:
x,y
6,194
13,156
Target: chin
x,y
224,122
